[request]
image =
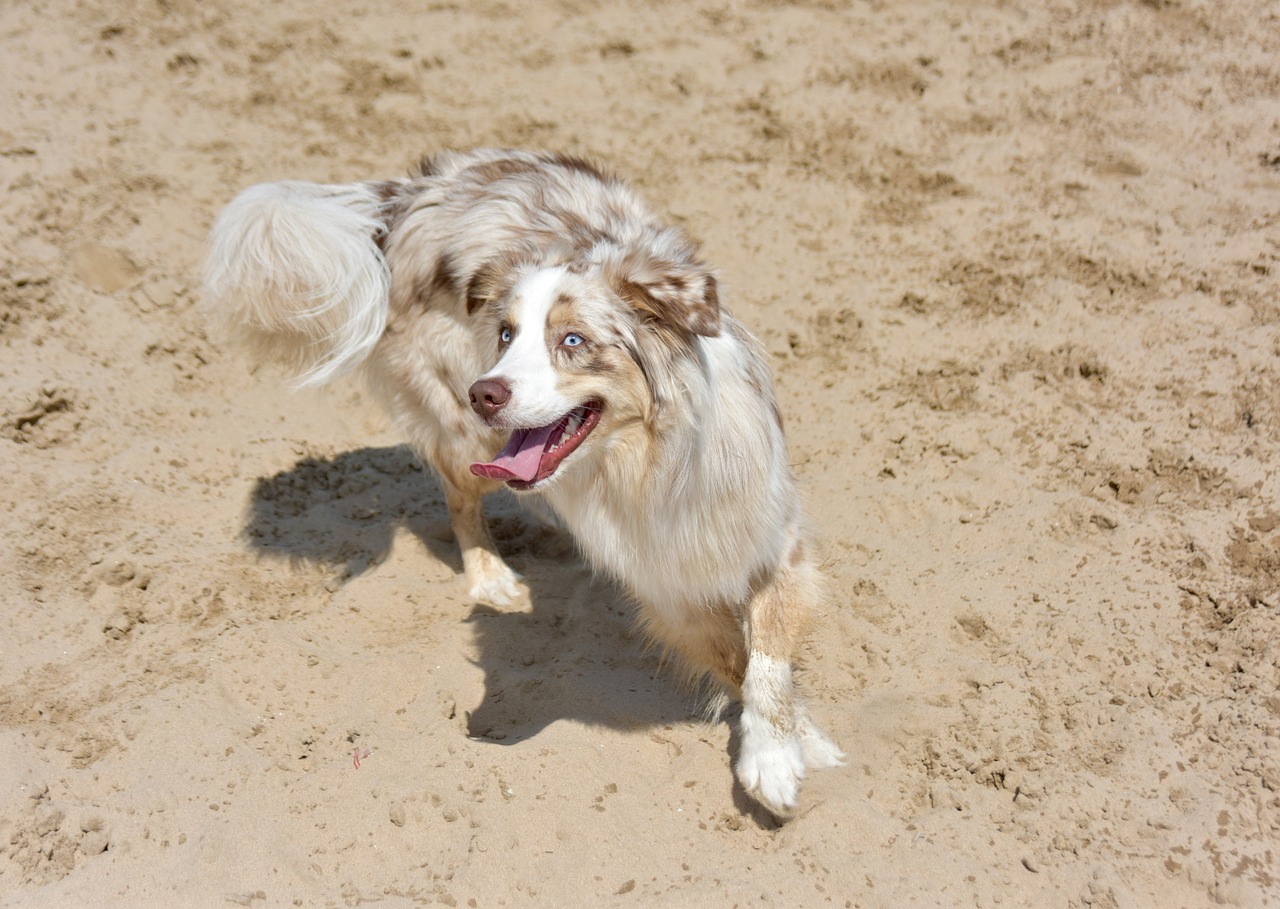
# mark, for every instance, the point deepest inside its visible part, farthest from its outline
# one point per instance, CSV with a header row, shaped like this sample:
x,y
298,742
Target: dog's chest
x,y
669,555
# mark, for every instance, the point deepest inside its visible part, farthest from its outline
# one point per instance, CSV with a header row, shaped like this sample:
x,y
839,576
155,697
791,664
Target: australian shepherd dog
x,y
529,322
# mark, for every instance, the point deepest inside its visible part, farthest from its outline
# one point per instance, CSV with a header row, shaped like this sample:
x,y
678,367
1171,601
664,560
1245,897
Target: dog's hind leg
x,y
707,642
489,578
778,737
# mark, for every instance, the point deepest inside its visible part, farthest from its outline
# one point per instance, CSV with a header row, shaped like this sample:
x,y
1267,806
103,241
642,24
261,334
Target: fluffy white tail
x,y
295,273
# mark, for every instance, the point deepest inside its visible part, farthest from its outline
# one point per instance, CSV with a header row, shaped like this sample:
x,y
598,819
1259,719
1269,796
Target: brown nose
x,y
488,396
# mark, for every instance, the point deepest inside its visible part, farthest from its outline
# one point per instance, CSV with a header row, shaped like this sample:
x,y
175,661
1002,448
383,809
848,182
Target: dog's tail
x,y
295,272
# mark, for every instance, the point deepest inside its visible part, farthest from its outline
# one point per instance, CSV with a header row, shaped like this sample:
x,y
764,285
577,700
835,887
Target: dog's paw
x,y
770,770
818,749
502,591
492,582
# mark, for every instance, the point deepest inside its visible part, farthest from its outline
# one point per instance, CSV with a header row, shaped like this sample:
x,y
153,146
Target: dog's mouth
x,y
532,455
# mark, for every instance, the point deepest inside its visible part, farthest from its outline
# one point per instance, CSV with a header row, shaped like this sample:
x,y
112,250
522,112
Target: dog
x,y
528,321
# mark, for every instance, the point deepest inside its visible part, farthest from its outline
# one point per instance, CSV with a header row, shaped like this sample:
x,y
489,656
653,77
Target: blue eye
x,y
573,340
506,336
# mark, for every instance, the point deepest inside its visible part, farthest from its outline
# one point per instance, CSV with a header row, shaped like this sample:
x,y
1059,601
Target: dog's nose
x,y
488,396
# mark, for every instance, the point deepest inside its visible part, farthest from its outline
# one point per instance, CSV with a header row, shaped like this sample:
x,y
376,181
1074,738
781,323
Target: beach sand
x,y
1016,268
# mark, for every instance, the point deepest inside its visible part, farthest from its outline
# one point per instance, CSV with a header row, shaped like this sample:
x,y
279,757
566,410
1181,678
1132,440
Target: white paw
x,y
497,586
770,768
819,751
490,580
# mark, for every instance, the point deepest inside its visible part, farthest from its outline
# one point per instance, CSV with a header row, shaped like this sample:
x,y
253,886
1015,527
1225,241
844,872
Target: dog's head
x,y
585,346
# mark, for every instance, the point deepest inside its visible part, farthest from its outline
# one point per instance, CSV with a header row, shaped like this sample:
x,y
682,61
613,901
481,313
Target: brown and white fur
x,y
496,294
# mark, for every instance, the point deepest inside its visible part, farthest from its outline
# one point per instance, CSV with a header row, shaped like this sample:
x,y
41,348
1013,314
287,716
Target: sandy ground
x,y
1016,264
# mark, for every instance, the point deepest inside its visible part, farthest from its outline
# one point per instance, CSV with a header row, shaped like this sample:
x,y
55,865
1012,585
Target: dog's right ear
x,y
483,287
495,277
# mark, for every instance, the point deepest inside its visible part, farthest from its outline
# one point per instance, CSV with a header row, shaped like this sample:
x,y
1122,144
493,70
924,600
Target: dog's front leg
x,y
778,738
489,578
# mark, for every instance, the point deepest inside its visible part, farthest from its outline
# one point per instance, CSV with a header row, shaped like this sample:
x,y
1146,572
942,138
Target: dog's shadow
x,y
572,655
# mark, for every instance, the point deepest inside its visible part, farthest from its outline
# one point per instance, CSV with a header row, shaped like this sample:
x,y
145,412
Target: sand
x,y
1016,266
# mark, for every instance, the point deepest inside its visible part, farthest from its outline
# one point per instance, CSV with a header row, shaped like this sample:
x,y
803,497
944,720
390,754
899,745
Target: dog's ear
x,y
678,294
483,286
493,278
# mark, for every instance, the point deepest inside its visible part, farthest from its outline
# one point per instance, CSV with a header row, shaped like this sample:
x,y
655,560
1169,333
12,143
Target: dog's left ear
x,y
681,295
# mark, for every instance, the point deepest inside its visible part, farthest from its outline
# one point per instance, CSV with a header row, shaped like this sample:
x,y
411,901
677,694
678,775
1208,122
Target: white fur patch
x,y
819,750
771,764
526,364
295,267
492,581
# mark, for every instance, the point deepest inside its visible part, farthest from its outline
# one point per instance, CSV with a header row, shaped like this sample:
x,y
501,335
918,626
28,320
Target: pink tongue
x,y
520,458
